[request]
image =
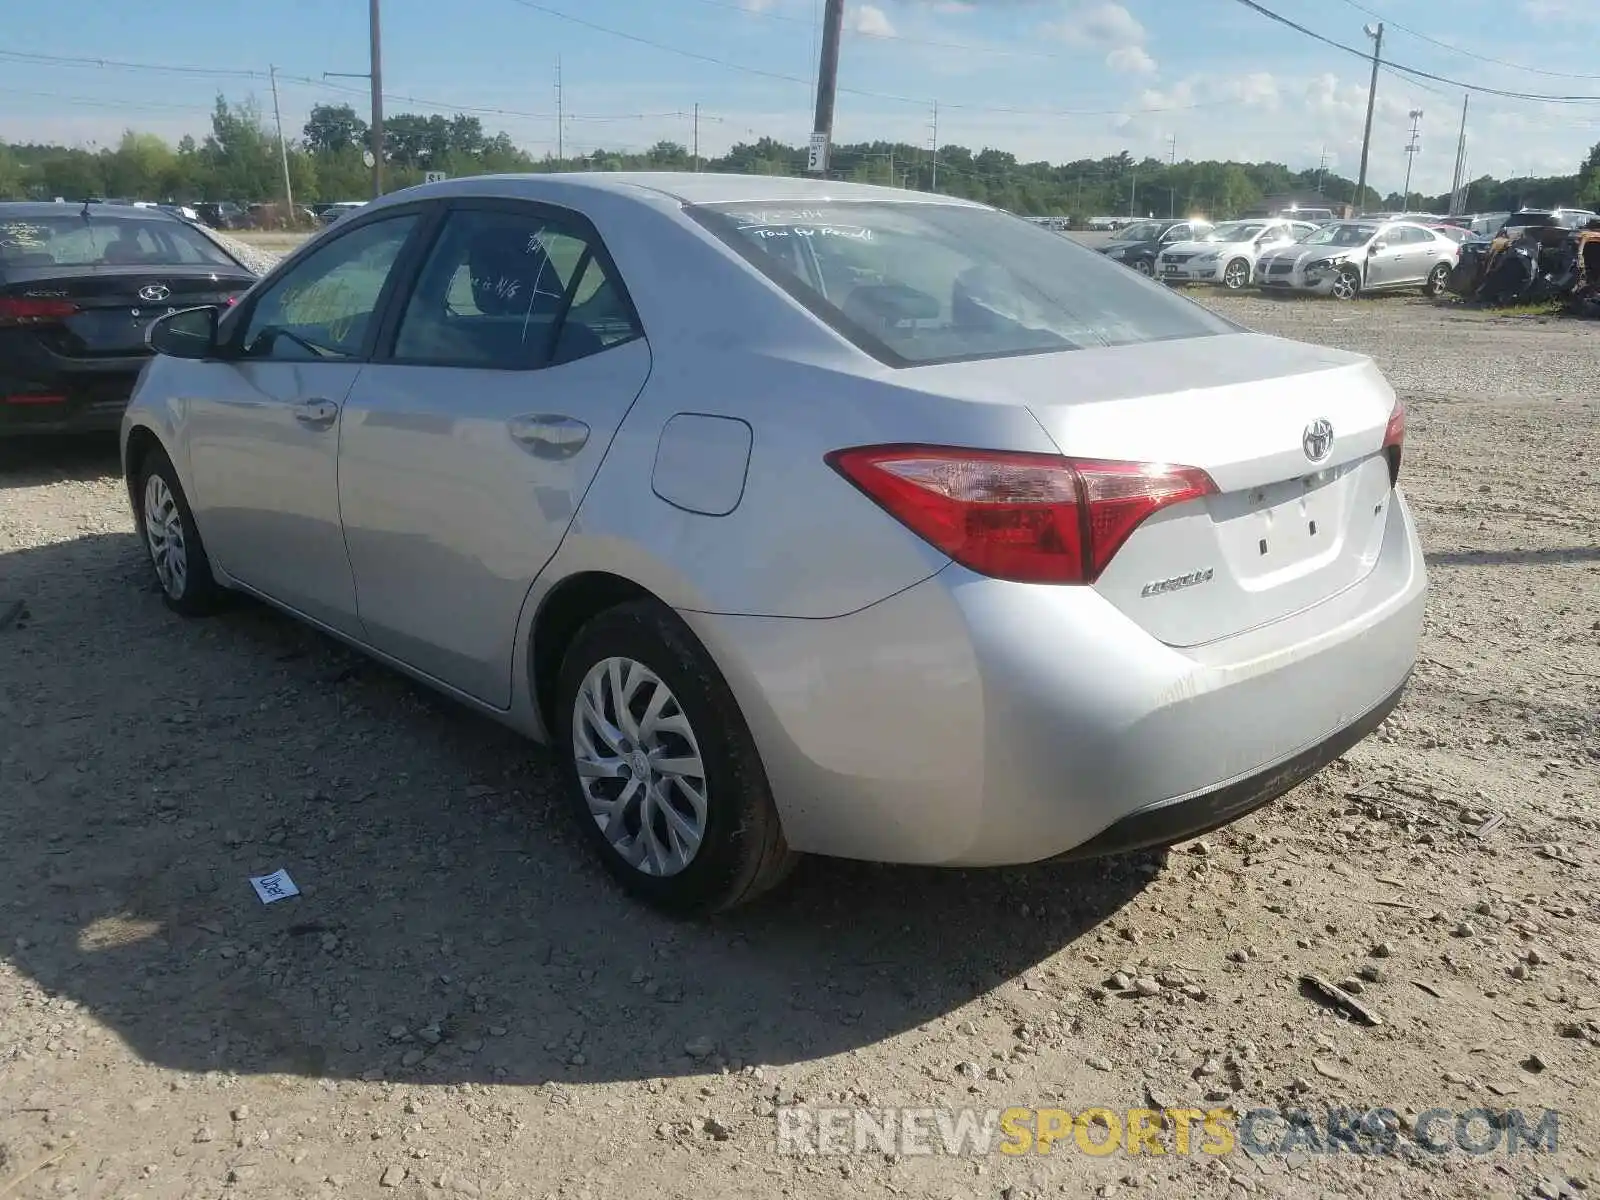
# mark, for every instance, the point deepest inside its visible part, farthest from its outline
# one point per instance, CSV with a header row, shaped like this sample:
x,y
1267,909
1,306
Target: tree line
x,y
239,160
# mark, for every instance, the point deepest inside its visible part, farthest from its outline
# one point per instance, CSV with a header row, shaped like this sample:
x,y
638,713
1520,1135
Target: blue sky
x,y
1056,79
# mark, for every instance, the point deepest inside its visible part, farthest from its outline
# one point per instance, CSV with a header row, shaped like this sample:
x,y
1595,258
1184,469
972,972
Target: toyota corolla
x,y
798,516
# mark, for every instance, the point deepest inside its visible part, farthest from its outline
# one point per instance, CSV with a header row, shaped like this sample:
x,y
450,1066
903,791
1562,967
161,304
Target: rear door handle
x,y
549,435
317,413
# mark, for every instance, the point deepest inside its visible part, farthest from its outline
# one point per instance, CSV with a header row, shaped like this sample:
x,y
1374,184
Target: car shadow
x,y
451,926
37,460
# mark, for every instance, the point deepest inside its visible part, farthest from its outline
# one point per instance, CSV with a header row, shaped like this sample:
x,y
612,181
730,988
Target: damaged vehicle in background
x,y
1349,258
1536,258
1227,254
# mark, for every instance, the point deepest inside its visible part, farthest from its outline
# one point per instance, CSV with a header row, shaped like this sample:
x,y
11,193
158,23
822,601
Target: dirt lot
x,y
460,1004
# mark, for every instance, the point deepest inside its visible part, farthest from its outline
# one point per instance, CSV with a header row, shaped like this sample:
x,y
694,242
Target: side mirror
x,y
191,333
1376,247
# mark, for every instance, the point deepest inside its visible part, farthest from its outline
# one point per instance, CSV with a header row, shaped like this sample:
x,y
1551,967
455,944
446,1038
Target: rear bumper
x,y
1164,824
972,722
42,392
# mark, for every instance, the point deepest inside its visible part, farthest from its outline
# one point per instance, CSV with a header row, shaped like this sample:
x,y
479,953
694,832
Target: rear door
x,y
468,445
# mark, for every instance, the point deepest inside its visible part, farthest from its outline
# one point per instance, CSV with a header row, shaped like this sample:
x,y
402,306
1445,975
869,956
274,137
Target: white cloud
x,y
871,20
1131,60
1098,27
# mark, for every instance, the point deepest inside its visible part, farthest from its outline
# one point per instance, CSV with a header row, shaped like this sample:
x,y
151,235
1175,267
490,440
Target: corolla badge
x,y
1317,441
154,292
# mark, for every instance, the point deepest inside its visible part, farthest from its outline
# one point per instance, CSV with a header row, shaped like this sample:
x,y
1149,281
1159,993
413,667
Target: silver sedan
x,y
1348,258
797,516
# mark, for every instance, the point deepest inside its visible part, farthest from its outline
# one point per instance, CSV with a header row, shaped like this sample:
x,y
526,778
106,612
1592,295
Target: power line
x,y
921,102
1499,62
1413,71
101,102
768,14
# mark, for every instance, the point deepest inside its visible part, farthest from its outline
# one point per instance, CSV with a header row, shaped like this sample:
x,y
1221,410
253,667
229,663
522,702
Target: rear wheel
x,y
1347,284
664,777
172,540
1438,279
1236,274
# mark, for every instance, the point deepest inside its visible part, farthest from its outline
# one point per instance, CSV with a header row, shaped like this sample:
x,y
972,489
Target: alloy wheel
x,y
640,767
163,533
1345,285
1236,275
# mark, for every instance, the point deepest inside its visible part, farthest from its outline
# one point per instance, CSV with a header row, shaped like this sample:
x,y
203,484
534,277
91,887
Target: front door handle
x,y
319,414
549,435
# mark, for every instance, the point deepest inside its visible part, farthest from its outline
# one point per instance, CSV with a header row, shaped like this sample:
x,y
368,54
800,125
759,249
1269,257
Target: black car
x,y
1138,244
78,288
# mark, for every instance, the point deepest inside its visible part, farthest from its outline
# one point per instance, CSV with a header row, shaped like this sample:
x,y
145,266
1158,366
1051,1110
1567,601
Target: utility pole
x,y
1322,168
1172,150
697,136
1456,205
1413,148
1375,32
374,76
1133,191
376,39
561,120
933,183
891,164
827,87
283,148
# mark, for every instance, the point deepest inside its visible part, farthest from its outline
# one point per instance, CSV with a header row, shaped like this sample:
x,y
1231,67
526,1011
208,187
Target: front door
x,y
467,448
264,429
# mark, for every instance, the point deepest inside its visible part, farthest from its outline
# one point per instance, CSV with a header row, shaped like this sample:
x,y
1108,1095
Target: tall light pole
x,y
283,151
1413,148
1456,200
1375,32
827,87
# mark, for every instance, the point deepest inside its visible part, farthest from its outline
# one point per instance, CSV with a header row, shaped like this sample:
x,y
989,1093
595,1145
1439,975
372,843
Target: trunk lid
x,y
1285,530
117,304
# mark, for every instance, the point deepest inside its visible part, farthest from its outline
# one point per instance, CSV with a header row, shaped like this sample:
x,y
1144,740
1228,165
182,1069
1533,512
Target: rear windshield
x,y
925,283
72,240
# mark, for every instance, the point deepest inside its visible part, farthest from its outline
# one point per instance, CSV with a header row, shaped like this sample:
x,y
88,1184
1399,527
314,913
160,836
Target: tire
x,y
1143,266
172,540
1438,280
722,796
1236,274
1347,284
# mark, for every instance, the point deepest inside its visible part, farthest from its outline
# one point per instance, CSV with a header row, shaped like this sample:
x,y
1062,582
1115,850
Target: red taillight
x,y
29,310
232,300
1394,439
1032,518
34,398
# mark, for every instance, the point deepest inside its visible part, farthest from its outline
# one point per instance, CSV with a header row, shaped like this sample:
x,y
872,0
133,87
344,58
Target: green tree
x,y
334,127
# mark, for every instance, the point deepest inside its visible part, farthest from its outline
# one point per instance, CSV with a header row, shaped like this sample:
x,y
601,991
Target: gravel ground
x,y
460,1004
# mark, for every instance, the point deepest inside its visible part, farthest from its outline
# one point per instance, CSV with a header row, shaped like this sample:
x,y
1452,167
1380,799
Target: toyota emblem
x,y
1318,439
154,292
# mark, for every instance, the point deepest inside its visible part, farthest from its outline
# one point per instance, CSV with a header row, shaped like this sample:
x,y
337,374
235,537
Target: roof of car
x,y
49,208
704,187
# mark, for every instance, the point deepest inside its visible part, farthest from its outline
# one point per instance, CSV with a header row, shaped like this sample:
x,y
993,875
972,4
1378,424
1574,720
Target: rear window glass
x,y
926,283
99,241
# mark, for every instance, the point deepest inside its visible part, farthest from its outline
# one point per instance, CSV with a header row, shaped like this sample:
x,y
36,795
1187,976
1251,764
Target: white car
x,y
1228,253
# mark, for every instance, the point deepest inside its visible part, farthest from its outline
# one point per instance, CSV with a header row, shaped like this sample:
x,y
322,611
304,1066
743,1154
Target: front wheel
x,y
1236,274
1143,266
172,539
663,774
1438,280
1347,284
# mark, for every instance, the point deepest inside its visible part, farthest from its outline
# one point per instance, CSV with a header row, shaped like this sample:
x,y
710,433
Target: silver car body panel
x,y
905,708
1398,265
